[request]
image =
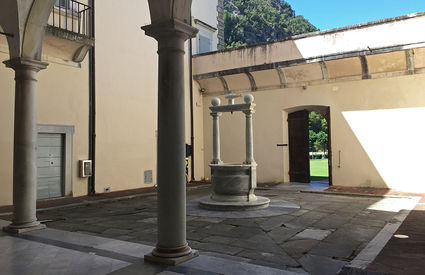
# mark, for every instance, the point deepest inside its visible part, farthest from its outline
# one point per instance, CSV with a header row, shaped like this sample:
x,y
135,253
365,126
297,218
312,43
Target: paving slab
x,y
298,248
116,231
282,234
318,265
220,239
223,266
394,204
197,236
313,234
282,259
341,251
367,221
241,232
267,244
40,258
243,222
273,222
216,247
353,233
333,221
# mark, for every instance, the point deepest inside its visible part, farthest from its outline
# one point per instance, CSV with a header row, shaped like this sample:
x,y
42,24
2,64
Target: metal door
x,y
50,165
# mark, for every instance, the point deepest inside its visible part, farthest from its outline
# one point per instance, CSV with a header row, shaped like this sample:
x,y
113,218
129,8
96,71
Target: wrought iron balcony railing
x,y
72,16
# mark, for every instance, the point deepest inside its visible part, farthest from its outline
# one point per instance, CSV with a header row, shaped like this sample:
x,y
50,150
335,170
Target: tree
x,y
321,142
255,21
311,140
318,129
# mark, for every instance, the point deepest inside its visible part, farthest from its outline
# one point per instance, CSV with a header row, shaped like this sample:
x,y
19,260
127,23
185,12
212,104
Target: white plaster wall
x,y
126,87
126,96
61,100
206,11
7,98
376,124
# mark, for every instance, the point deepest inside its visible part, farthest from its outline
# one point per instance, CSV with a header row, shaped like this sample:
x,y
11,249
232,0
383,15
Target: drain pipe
x,y
92,105
192,138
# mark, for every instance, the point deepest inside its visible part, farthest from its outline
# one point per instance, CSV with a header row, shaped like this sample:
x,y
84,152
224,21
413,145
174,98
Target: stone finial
x,y
248,98
215,101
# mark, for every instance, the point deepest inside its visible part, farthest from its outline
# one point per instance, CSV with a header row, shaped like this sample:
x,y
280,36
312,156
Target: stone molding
x,y
173,26
22,63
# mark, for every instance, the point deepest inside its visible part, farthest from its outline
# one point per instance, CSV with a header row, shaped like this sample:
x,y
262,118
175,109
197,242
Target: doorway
x,y
50,166
309,145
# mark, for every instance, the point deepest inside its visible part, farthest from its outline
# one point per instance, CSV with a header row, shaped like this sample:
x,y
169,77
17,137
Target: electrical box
x,y
85,168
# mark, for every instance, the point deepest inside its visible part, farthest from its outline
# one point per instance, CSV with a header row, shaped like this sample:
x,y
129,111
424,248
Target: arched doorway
x,y
309,160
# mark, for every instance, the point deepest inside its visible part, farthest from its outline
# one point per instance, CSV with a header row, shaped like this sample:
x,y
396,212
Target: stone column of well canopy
x,y
172,247
216,132
249,137
25,145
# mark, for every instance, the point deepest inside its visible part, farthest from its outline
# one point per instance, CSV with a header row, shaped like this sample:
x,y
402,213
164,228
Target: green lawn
x,y
319,169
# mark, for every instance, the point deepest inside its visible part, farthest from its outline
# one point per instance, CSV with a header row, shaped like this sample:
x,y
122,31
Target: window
x,y
205,37
204,44
66,4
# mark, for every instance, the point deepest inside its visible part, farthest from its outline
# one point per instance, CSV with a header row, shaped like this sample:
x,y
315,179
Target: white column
x,y
25,145
171,244
249,137
216,132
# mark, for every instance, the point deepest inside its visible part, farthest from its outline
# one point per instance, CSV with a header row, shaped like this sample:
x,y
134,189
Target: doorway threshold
x,y
299,186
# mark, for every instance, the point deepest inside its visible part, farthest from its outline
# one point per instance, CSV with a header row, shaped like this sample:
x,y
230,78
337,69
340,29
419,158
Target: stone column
x,y
25,145
249,137
216,132
172,247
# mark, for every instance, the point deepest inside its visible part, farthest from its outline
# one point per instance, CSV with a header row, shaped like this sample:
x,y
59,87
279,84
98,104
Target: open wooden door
x,y
299,163
328,119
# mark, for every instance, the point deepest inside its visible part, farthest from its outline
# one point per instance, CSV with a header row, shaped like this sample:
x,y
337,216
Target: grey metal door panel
x,y
49,152
50,140
49,188
50,166
49,172
48,162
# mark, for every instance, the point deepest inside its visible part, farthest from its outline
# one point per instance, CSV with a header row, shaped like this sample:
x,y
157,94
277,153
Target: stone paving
x,y
324,234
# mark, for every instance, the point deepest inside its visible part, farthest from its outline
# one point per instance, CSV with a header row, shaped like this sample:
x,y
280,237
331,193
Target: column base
x,y
173,261
19,229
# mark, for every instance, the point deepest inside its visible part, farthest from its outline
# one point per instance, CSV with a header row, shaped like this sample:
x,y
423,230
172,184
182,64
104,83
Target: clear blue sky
x,y
329,14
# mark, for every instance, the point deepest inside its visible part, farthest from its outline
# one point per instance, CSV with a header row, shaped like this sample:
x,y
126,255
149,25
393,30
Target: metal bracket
x,y
7,34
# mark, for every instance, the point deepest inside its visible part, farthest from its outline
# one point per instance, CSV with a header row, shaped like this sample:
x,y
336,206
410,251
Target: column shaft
x,y
171,149
216,139
25,144
25,148
249,137
172,247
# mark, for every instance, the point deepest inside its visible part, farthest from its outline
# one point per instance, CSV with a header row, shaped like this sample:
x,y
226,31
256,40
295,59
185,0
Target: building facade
x,y
101,107
368,82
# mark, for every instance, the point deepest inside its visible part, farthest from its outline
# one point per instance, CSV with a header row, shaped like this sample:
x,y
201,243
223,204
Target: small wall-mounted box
x,y
85,168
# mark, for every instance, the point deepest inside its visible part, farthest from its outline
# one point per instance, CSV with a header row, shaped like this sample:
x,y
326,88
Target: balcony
x,y
68,35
